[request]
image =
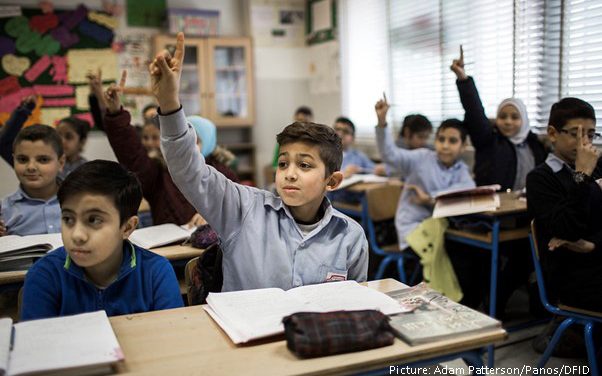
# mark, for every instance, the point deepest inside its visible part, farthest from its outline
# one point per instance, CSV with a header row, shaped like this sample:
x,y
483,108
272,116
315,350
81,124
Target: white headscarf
x,y
522,134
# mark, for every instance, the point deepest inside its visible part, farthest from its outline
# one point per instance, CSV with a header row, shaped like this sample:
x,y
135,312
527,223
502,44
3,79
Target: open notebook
x,y
157,236
253,314
362,178
18,252
462,201
83,344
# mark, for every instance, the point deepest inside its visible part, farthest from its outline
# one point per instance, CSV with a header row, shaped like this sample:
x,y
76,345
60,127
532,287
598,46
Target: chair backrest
x,y
190,265
539,270
382,201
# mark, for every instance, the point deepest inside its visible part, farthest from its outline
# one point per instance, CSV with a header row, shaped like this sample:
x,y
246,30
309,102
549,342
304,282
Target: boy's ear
x,y
129,226
552,133
62,161
334,180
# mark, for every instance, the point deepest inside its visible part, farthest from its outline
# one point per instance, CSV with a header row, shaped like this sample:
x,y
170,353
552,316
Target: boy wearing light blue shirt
x,y
34,208
292,240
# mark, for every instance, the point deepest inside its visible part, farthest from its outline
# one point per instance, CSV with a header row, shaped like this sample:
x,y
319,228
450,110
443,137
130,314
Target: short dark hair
x,y
415,123
570,108
40,132
456,124
148,107
323,136
105,178
304,110
346,121
79,126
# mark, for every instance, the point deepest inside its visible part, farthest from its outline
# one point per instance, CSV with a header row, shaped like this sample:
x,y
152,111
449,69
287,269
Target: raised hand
x,y
165,72
381,107
458,66
112,95
579,246
587,154
29,102
420,196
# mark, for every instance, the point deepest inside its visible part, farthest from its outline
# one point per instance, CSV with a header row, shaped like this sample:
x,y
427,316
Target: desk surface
x,y
509,204
363,187
186,341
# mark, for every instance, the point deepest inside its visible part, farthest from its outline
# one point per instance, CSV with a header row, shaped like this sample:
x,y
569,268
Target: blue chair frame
x,y
572,317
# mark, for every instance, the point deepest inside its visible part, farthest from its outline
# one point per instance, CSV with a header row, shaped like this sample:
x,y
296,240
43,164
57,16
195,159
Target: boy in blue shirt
x,y
292,240
37,159
98,268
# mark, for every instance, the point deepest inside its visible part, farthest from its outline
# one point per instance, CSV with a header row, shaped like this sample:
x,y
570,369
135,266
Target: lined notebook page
x,y
14,242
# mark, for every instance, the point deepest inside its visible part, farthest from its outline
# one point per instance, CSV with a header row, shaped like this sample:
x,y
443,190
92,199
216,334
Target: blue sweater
x,y
56,286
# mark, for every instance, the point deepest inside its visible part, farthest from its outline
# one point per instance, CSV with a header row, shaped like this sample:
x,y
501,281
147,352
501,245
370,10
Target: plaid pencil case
x,y
310,334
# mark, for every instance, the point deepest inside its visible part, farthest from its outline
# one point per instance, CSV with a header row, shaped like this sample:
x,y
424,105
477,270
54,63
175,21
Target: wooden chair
x,y
573,315
381,204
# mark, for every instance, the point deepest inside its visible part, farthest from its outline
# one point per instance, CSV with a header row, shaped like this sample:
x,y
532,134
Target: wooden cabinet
x,y
217,83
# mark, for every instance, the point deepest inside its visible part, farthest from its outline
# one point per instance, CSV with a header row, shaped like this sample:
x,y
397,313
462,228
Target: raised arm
x,y
96,99
13,126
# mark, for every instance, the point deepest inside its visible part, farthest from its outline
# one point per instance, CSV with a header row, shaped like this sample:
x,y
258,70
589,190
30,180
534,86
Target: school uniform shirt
x,y
357,158
262,244
70,166
422,168
56,286
24,215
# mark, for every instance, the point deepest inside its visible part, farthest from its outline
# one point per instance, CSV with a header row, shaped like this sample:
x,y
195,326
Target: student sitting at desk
x,y
98,268
34,208
564,196
415,132
268,241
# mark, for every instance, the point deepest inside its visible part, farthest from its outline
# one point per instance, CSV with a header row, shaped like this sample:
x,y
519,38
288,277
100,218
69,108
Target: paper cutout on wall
x,y
86,117
9,85
134,52
95,31
81,96
111,7
59,69
32,41
59,102
12,101
46,6
16,26
73,18
34,118
4,116
47,46
51,116
53,90
7,45
103,19
15,65
7,11
64,37
43,23
84,60
38,68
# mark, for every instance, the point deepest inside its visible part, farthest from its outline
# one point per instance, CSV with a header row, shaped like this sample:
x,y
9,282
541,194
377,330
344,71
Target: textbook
x,y
362,178
157,236
429,316
18,252
462,201
253,314
82,344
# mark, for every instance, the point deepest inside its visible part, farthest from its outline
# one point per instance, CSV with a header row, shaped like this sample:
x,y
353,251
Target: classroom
x,y
295,187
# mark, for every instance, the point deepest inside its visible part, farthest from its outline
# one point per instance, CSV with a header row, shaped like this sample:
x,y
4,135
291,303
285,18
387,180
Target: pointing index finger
x,y
124,75
179,53
461,54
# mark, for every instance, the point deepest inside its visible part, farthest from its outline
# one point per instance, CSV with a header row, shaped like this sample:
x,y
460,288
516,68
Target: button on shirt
x,y
23,215
422,168
262,244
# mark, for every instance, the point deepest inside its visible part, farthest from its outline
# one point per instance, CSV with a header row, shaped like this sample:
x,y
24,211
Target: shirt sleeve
x,y
401,159
10,130
40,294
166,288
476,122
358,257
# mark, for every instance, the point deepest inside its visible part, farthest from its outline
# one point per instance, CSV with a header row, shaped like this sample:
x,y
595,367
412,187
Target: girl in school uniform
x,y
74,133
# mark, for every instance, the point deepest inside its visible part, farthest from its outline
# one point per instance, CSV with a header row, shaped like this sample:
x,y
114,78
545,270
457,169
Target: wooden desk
x,y
187,341
360,210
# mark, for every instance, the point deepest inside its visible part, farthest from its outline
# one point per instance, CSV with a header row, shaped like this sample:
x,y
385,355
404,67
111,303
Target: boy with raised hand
x,y
564,196
98,268
37,159
268,241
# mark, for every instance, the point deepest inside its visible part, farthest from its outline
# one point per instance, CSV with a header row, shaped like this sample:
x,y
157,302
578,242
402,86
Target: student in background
x,y
149,112
504,154
302,114
564,196
354,161
288,241
13,126
74,133
34,208
415,132
98,268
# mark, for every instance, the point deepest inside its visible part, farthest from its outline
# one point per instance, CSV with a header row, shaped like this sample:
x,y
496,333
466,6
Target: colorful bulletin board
x,y
48,55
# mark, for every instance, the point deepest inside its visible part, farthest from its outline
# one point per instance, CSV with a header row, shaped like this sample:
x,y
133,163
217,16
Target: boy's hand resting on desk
x,y
351,170
380,170
165,72
587,154
3,229
111,96
579,246
420,196
458,66
381,107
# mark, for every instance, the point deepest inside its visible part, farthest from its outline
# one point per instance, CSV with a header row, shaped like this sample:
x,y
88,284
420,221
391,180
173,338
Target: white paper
x,y
6,327
10,11
14,242
362,178
321,15
156,236
450,207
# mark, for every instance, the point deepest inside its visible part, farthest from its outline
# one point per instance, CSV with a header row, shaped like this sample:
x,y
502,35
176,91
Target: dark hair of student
x,y
105,178
346,121
570,108
40,132
79,126
415,123
304,110
322,136
456,124
148,107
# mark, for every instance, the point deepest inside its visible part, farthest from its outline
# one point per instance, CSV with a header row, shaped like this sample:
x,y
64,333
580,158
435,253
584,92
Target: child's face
x,y
565,141
36,165
91,230
151,138
301,179
508,121
345,133
449,145
72,144
418,140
